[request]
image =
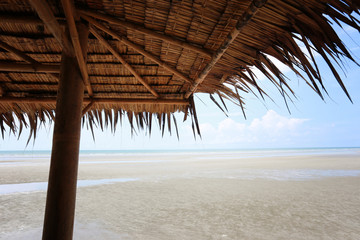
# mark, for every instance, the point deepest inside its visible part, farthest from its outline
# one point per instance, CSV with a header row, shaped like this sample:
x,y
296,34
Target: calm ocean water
x,y
13,159
242,153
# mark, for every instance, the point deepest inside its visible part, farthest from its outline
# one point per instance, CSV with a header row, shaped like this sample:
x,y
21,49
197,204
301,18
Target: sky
x,y
310,123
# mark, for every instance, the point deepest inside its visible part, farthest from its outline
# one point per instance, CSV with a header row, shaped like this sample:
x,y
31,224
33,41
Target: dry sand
x,y
220,195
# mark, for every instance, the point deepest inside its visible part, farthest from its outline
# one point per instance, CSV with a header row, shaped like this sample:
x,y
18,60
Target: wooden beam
x,y
45,13
137,48
242,22
18,53
68,10
223,78
122,60
146,31
21,55
52,100
87,108
15,18
20,19
20,67
140,101
61,194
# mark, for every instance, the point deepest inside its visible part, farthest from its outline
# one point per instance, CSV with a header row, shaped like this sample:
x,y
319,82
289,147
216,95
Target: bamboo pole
x,y
68,10
87,108
122,60
20,19
20,54
146,31
61,195
52,100
21,67
29,20
141,101
245,19
45,13
137,48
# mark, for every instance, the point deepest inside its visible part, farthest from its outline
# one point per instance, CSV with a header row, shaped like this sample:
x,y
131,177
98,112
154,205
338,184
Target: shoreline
x,y
169,151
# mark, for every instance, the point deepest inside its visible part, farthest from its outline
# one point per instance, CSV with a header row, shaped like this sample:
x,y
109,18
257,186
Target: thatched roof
x,y
148,58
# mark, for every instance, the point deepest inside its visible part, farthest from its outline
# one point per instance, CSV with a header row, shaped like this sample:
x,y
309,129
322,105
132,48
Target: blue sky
x,y
312,122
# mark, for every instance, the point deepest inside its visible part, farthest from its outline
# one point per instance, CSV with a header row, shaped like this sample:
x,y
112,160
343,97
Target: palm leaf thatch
x,y
146,59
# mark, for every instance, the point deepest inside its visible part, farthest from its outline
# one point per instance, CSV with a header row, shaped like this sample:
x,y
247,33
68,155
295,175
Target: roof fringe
x,y
312,28
95,116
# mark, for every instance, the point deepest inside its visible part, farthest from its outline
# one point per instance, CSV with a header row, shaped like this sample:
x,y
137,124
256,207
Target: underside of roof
x,y
146,59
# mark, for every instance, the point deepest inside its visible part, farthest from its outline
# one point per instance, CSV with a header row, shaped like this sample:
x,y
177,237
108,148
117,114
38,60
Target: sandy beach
x,y
277,194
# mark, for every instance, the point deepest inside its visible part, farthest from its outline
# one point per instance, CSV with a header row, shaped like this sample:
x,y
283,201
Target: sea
x,y
32,158
253,152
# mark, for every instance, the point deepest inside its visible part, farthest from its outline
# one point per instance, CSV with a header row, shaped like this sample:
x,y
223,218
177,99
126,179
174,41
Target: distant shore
x,y
169,151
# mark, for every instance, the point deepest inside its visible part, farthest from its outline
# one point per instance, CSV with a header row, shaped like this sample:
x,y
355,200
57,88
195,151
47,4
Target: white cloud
x,y
274,123
208,128
229,125
270,128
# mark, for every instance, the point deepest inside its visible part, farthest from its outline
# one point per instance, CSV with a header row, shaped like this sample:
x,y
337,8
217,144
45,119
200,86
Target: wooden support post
x,y
61,195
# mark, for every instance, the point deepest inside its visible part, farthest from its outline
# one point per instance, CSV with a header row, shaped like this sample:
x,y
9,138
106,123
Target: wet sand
x,y
220,195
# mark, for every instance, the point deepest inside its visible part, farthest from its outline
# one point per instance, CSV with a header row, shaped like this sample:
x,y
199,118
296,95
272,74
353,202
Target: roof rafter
x,y
46,15
68,6
122,60
49,100
138,48
26,19
87,107
146,31
20,19
21,67
18,53
242,22
22,55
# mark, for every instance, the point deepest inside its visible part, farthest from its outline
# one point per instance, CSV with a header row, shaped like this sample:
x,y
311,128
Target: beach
x,y
227,194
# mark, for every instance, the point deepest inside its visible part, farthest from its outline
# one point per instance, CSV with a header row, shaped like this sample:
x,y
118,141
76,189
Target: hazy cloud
x,y
270,128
